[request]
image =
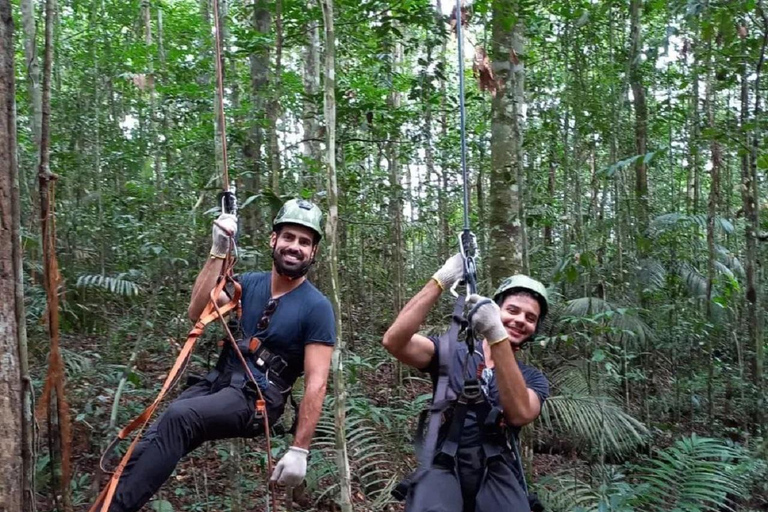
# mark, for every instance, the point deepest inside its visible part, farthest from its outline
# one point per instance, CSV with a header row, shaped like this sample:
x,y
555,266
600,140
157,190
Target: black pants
x,y
491,487
203,412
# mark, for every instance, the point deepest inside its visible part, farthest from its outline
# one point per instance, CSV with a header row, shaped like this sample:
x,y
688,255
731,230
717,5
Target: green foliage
x,y
369,455
695,474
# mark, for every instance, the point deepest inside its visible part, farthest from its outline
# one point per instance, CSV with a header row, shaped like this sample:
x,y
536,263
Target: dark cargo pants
x,y
473,488
203,412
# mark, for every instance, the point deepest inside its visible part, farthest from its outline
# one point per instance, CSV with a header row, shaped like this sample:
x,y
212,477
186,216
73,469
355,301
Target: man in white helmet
x,y
474,467
286,329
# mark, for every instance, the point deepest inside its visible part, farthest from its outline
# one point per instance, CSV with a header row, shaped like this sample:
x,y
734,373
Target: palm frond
x,y
696,473
597,421
622,321
652,274
76,363
669,221
605,489
573,379
118,285
695,282
369,457
730,260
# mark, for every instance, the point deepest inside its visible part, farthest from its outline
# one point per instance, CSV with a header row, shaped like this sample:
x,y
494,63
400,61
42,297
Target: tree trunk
x,y
32,67
15,432
751,188
254,149
273,108
331,232
310,121
506,254
641,118
53,400
714,199
146,14
397,261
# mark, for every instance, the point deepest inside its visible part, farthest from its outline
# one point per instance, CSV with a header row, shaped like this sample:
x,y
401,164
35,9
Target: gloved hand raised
x,y
485,317
224,228
451,271
292,467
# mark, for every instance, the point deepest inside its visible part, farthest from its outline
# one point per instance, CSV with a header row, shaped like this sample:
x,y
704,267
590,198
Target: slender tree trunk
x,y
310,121
714,199
15,443
751,185
32,67
146,14
331,231
53,400
641,117
273,108
506,254
254,149
397,244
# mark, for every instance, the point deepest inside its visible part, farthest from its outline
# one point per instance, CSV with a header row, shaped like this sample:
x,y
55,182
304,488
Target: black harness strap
x,y
440,400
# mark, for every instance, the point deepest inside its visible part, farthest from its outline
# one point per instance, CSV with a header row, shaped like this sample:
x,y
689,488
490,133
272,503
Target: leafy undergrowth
x,y
232,475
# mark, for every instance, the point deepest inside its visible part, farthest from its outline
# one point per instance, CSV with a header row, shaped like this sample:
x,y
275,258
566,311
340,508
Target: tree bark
x,y
751,188
714,199
15,445
506,254
273,108
254,149
331,232
641,118
310,121
53,399
397,261
146,14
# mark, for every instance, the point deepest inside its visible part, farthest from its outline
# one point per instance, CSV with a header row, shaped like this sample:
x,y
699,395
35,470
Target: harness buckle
x,y
472,390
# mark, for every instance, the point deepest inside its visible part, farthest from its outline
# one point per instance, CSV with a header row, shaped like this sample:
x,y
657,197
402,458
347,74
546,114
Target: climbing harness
x,y
449,409
212,312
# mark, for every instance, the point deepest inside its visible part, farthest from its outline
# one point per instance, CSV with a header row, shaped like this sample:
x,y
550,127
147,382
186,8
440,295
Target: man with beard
x,y
286,329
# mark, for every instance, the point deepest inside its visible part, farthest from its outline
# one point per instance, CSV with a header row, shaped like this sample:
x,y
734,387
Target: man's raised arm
x,y
224,230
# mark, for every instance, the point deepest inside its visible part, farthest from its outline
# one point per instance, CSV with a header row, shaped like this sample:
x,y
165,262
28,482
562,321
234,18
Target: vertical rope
x,y
220,89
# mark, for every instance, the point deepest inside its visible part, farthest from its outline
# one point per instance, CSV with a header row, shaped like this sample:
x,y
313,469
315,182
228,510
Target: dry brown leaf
x,y
742,31
465,16
481,67
513,58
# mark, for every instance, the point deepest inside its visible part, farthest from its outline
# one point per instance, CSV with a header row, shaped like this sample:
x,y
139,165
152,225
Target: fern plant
x,y
695,474
370,458
590,416
118,285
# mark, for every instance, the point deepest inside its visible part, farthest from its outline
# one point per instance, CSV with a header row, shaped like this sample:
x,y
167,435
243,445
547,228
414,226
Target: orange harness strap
x,y
211,313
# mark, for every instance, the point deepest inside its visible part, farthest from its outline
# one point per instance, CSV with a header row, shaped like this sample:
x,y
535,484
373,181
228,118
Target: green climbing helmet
x,y
528,284
302,212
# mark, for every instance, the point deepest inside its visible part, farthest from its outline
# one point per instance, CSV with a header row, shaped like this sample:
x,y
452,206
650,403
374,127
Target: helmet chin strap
x,y
292,274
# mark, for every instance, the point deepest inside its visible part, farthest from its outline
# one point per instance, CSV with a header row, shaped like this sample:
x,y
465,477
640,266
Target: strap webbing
x,y
211,313
446,347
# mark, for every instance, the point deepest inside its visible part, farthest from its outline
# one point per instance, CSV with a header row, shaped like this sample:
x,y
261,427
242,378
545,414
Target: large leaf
x,y
696,473
597,421
621,320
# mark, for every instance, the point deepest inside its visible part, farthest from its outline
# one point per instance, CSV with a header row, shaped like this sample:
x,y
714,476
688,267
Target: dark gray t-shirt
x,y
534,380
302,316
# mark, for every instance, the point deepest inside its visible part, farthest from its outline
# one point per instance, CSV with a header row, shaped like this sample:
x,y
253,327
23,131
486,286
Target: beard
x,y
291,269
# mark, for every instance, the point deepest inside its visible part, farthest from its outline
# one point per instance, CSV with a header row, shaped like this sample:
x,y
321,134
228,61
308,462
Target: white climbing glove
x,y
485,316
292,468
451,271
224,228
